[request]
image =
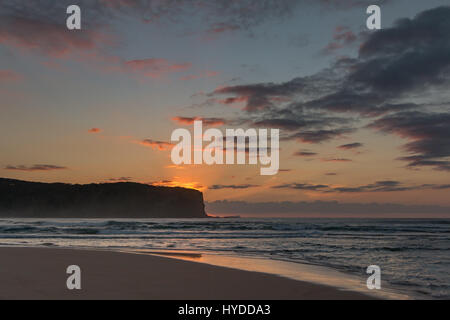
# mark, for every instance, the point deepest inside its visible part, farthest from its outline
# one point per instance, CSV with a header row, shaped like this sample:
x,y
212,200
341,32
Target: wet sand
x,y
40,273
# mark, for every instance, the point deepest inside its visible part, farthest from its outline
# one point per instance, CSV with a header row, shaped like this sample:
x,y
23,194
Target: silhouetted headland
x,y
22,199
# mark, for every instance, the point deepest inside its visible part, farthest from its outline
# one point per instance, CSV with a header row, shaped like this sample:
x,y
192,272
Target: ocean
x,y
413,254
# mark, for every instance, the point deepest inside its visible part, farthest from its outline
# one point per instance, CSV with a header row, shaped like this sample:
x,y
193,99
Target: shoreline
x,y
294,270
40,273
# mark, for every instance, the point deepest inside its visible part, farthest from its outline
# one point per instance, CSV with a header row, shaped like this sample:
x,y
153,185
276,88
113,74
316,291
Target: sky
x,y
363,114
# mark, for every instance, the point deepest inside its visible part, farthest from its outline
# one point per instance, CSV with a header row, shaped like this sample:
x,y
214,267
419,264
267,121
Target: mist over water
x,y
414,254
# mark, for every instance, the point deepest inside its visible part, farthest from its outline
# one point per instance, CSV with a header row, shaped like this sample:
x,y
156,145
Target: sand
x,y
40,273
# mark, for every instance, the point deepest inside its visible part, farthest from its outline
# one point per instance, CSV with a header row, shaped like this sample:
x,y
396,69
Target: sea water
x,y
413,254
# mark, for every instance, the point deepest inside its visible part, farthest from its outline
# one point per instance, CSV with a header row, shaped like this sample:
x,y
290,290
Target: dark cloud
x,y
36,167
349,146
444,186
161,182
322,207
394,65
121,179
232,186
379,186
263,96
415,53
318,136
348,100
219,15
429,135
305,153
40,25
302,186
293,121
336,160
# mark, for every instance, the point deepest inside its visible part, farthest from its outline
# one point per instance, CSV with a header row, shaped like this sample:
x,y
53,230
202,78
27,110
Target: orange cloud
x,y
154,68
160,145
94,130
233,100
173,166
48,38
342,37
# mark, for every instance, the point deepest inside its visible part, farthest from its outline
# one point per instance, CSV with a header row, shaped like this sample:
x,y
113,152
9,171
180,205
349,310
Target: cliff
x,y
22,199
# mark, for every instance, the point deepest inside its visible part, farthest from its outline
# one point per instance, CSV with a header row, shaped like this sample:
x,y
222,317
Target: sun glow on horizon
x,y
180,183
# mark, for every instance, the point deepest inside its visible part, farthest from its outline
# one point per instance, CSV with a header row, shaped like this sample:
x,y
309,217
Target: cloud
x,y
318,136
48,38
162,182
342,37
36,167
154,144
330,208
40,28
232,186
414,54
391,61
154,68
429,135
217,17
350,146
206,121
275,120
302,186
121,179
271,105
336,160
396,84
305,153
94,130
9,76
256,96
379,186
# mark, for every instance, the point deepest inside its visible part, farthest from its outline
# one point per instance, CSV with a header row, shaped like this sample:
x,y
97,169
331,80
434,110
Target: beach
x,y
40,273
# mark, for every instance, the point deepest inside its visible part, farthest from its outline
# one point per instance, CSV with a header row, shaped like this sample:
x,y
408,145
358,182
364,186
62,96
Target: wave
x,y
414,254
